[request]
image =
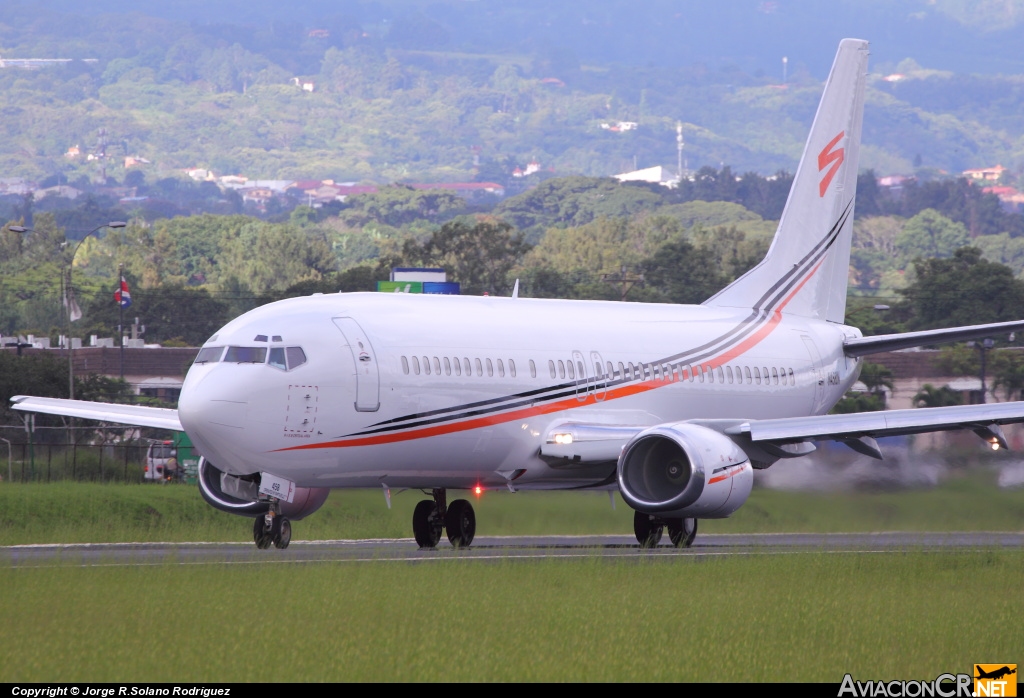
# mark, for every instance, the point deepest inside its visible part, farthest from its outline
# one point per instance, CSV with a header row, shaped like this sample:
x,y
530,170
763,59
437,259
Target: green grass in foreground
x,y
789,617
70,512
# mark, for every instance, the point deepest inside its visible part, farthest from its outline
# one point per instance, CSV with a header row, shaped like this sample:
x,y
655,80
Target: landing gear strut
x,y
648,530
432,516
272,529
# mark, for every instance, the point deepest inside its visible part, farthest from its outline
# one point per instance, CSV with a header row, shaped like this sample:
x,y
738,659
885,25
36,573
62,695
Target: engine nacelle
x,y
242,500
684,470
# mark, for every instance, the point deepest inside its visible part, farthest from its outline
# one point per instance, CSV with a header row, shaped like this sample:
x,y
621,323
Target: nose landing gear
x,y
272,529
432,516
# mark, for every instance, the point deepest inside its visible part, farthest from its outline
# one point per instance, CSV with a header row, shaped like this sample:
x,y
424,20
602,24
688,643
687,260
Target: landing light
x,y
995,446
563,439
478,490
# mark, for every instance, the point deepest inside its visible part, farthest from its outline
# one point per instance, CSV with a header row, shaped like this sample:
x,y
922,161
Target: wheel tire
x,y
682,532
284,534
426,524
647,532
460,523
260,536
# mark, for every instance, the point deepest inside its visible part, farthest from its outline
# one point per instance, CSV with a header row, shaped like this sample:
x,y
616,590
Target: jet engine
x,y
237,495
684,470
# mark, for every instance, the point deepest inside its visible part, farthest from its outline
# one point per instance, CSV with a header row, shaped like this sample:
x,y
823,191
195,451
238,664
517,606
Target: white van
x,y
161,461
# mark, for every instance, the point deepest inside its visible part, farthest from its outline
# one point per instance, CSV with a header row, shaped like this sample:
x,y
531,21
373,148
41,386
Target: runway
x,y
524,548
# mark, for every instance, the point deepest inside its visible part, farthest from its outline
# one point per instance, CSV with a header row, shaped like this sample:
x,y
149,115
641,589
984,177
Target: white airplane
x,y
674,406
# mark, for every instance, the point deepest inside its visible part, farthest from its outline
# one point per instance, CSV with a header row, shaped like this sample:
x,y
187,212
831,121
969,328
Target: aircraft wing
x,y
863,346
860,429
572,443
135,415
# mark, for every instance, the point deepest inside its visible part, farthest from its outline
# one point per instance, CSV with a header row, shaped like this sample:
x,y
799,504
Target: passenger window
x,y
656,374
775,376
479,368
415,365
277,358
533,369
561,369
511,368
690,371
437,366
721,375
426,365
580,371
700,373
490,369
458,366
551,367
597,370
466,366
405,363
632,370
447,367
746,372
757,375
622,370
611,369
728,372
792,379
666,372
570,370
501,369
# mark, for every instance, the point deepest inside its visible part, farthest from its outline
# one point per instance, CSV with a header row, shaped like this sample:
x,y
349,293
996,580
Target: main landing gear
x,y
432,516
648,530
272,529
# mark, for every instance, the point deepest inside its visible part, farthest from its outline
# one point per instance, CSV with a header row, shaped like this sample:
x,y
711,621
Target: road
x,y
496,548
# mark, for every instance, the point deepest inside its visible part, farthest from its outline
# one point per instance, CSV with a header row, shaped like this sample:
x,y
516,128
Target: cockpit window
x,y
277,358
209,354
246,355
296,357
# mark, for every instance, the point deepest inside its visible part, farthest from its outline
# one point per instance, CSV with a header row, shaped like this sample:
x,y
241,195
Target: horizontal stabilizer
x,y
134,415
863,346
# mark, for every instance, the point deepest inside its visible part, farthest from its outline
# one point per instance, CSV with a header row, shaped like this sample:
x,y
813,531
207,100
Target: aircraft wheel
x,y
460,523
682,532
426,524
263,538
284,532
646,529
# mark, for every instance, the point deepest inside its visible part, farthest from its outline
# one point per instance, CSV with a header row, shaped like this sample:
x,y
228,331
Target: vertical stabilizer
x,y
806,268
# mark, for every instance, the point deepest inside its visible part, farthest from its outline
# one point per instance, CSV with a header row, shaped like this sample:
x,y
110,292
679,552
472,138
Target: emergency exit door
x,y
367,373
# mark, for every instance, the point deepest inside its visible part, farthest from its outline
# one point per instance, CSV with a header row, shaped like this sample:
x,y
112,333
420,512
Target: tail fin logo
x,y
828,156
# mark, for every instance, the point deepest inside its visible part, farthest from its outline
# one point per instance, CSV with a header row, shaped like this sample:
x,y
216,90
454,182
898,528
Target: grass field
x,y
72,512
789,617
793,616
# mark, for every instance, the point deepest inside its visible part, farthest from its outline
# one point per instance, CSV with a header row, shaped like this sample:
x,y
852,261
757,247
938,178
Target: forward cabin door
x,y
365,360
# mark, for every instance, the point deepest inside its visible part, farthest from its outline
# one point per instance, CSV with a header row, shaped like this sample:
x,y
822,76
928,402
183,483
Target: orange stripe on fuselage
x,y
565,404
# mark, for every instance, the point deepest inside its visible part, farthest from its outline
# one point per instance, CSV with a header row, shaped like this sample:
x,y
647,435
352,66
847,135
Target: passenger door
x,y
365,360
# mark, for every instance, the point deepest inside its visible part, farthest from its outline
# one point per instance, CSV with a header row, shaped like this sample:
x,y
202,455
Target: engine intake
x,y
684,470
211,485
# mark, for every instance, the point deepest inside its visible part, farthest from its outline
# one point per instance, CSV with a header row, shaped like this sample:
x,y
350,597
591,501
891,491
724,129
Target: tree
x,y
478,252
683,273
963,290
930,396
1007,367
930,234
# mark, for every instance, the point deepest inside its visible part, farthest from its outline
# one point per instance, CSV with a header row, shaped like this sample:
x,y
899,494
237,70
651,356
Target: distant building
x,y
986,174
1011,199
73,152
199,174
655,175
620,126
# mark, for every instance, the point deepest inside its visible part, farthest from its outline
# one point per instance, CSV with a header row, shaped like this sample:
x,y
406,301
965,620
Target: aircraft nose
x,y
214,416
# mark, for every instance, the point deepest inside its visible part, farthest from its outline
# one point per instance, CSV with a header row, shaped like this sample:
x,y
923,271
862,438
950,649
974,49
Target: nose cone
x,y
214,414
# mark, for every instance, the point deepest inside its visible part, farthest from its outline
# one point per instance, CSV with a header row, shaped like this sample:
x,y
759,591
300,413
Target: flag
x,y
123,296
74,312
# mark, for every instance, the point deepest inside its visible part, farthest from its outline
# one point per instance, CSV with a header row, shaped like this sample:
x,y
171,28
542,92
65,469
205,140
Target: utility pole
x,y
120,316
626,281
